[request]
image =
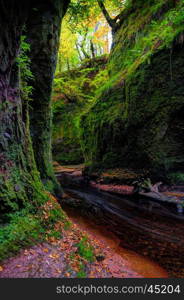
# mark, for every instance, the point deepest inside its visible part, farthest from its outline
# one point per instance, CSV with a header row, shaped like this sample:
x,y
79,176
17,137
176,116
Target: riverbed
x,y
150,239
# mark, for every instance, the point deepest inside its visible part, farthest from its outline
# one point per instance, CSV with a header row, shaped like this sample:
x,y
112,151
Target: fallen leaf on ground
x,y
45,250
54,256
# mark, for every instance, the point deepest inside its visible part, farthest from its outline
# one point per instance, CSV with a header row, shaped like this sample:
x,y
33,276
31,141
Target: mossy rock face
x,y
67,151
155,111
138,121
73,95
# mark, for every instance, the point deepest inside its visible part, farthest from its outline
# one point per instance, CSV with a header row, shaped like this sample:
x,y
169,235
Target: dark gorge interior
x,y
91,138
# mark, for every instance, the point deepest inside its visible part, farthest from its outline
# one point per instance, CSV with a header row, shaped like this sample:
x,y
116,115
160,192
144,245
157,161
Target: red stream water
x,y
141,265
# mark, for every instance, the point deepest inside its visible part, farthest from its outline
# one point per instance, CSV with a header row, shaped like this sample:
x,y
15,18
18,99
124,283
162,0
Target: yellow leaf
x,y
45,250
1,269
54,256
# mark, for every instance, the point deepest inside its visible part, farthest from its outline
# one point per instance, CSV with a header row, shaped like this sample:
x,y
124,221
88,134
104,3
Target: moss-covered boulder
x,y
137,120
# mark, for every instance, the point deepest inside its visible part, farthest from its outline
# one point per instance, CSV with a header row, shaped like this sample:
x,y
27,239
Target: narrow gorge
x,y
91,148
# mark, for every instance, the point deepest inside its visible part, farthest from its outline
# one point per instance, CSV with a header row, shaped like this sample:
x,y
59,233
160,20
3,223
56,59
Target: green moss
x,y
82,272
24,62
151,28
30,226
74,94
23,230
137,119
85,249
176,178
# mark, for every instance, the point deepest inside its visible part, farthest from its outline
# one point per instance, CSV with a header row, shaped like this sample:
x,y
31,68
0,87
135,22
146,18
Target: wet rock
x,y
100,257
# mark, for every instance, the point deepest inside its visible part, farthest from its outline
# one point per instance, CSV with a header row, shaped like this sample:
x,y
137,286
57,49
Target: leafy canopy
x,y
86,32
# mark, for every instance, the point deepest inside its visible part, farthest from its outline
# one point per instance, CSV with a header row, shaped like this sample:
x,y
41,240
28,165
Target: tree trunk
x,y
68,64
112,22
84,52
20,184
43,32
78,50
59,63
19,181
92,49
109,20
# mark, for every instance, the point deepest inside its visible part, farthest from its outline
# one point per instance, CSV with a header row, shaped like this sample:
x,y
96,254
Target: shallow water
x,y
139,264
151,242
